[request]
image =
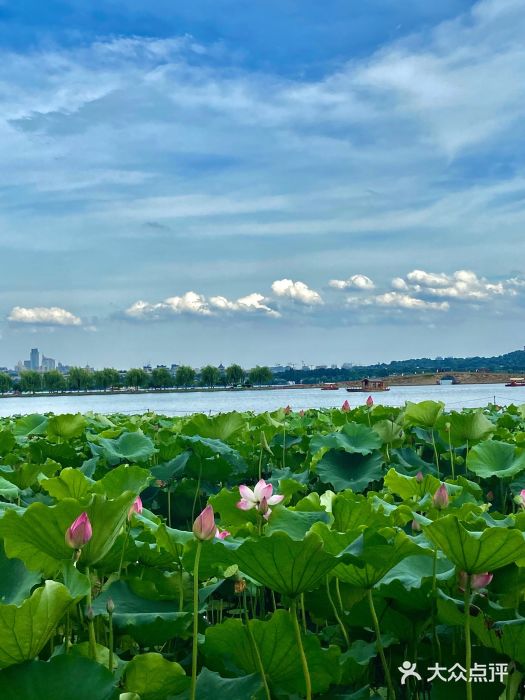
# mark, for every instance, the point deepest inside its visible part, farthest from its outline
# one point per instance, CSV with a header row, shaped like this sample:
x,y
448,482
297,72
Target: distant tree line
x,y
80,379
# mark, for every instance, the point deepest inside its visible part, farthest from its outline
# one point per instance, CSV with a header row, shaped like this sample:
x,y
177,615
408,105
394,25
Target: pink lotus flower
x,y
441,499
477,581
222,534
79,532
370,402
287,410
345,407
419,477
260,498
136,507
204,527
522,496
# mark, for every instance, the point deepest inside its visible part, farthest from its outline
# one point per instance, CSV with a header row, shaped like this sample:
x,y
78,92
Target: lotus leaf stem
x,y
468,646
336,613
379,645
300,648
195,621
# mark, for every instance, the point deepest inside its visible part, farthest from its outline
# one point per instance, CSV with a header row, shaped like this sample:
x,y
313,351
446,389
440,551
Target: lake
x,y
171,404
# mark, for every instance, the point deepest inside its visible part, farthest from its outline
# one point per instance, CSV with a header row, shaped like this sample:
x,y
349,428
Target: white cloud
x,y
460,285
298,291
355,281
397,300
44,316
198,305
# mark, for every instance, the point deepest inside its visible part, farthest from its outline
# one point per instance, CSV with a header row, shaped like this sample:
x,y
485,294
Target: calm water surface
x,y
171,404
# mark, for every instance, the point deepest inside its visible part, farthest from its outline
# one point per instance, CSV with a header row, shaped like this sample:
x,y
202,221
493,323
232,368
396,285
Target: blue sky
x,y
261,182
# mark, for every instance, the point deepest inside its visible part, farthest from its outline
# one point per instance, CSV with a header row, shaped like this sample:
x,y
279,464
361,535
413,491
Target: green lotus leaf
x,y
213,460
154,678
295,523
220,427
34,424
37,535
493,458
129,447
25,628
167,471
149,621
123,478
390,432
423,414
61,678
225,504
344,470
66,426
409,487
285,565
476,552
354,438
376,554
465,428
70,483
7,442
277,646
16,581
212,685
351,511
7,489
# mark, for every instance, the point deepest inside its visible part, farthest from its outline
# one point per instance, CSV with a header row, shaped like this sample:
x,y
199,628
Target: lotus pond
x,y
336,553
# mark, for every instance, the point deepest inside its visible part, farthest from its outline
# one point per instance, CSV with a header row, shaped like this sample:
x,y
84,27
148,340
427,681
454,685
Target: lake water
x,y
171,404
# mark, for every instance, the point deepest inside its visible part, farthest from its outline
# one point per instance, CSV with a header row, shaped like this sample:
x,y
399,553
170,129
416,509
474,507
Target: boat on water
x,y
330,387
516,381
368,385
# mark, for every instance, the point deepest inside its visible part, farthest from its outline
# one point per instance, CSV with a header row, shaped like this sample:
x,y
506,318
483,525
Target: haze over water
x,y
171,404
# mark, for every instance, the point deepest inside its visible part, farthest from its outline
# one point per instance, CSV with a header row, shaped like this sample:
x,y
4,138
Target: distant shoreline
x,y
430,379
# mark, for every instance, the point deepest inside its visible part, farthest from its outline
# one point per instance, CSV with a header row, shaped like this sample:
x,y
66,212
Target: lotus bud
x,y
477,581
370,402
441,499
301,413
240,586
522,497
287,410
110,606
136,507
79,532
447,427
345,407
419,477
204,527
416,527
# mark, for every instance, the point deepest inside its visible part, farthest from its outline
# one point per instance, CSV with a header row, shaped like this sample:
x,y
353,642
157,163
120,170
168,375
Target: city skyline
x,y
181,188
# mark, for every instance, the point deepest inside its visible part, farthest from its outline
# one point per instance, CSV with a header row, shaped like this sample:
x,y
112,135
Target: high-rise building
x,y
48,363
34,358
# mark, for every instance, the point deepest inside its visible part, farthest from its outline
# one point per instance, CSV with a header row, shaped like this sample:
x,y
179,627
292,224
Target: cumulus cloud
x,y
298,291
355,281
198,305
43,316
398,300
460,285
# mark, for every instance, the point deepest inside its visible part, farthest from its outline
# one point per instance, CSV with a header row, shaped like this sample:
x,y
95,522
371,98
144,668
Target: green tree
x,y
30,381
136,378
184,376
210,376
79,379
106,378
260,375
6,383
54,381
234,375
161,378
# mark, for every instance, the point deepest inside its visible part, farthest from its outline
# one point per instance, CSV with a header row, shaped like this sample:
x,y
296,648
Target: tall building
x,y
48,363
34,358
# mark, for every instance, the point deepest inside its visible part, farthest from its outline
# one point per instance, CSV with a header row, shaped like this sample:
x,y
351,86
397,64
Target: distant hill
x,y
511,362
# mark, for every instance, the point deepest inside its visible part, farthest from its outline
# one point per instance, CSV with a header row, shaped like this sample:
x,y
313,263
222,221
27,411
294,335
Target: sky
x,y
269,182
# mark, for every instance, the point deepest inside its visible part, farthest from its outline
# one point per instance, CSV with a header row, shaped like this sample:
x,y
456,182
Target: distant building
x,y
48,364
27,364
34,359
347,365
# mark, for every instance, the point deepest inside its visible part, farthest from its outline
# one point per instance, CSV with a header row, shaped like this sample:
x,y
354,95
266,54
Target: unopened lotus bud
x,y
345,407
522,498
370,402
136,507
301,413
419,477
287,410
79,532
239,586
110,606
416,527
477,581
447,427
204,527
441,499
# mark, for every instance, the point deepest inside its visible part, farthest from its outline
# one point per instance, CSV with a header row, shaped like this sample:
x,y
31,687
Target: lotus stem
x,y
255,649
195,621
436,456
67,633
91,626
110,642
300,647
336,614
169,505
452,464
303,613
468,647
125,544
379,645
